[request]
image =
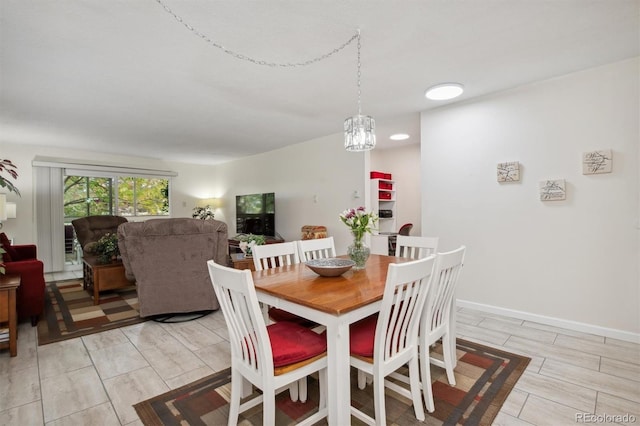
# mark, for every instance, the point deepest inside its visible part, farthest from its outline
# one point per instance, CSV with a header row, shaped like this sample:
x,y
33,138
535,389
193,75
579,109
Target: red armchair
x,y
22,260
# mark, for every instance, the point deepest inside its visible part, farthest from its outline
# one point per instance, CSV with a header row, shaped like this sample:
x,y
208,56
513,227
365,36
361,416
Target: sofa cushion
x,y
11,254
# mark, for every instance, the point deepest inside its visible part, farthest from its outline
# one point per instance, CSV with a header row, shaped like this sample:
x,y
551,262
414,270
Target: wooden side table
x,y
241,262
8,314
103,276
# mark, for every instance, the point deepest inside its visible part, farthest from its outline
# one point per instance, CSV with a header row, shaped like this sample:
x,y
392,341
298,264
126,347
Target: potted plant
x,y
247,241
9,167
107,248
203,213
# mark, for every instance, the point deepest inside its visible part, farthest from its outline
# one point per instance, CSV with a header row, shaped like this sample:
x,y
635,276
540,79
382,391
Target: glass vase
x,y
359,253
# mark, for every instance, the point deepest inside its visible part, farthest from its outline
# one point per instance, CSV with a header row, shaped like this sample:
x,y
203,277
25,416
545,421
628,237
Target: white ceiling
x,y
124,76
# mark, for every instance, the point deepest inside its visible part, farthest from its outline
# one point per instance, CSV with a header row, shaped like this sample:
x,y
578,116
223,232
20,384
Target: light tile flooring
x,y
95,380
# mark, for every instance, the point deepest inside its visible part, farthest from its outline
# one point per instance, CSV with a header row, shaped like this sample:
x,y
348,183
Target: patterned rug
x,y
484,379
69,311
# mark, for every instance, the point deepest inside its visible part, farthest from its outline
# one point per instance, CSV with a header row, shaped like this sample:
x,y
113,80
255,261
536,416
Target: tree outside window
x,y
123,196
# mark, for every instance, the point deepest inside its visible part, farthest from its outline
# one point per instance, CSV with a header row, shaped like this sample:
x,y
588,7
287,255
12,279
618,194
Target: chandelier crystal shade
x,y
359,130
359,133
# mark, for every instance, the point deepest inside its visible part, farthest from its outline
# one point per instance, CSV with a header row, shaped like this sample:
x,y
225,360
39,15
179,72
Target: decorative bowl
x,y
330,267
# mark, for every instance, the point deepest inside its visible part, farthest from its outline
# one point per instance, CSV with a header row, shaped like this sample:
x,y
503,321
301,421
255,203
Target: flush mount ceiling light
x,y
444,91
359,130
399,137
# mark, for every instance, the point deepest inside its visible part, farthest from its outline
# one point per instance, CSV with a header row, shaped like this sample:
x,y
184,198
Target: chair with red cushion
x,y
436,323
383,343
270,357
270,256
22,260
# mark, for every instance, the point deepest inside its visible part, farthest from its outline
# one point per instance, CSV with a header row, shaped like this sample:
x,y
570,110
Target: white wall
x,y
574,260
320,168
313,181
404,165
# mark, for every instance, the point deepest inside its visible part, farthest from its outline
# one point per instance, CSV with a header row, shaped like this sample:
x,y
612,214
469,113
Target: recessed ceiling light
x,y
444,91
399,137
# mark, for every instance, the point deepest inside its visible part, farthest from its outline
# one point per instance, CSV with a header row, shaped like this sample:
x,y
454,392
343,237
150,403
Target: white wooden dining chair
x,y
269,357
415,247
382,343
320,248
270,256
435,323
273,255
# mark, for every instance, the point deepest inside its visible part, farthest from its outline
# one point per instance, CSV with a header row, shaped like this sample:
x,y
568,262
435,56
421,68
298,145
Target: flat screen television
x,y
256,214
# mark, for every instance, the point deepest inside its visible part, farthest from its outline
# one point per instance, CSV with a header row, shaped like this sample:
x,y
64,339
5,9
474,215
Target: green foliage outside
x,y
88,196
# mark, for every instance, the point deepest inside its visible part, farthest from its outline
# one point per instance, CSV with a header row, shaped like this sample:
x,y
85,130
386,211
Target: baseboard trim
x,y
627,336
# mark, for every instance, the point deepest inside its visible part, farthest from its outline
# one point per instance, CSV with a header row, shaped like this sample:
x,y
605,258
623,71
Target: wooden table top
x,y
335,295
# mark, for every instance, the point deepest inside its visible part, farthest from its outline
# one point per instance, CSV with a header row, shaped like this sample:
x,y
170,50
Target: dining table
x,y
335,302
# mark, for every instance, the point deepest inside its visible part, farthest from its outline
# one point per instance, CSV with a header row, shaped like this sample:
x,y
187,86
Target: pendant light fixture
x,y
359,130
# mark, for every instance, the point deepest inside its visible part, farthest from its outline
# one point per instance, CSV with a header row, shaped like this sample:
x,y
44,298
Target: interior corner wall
x,y
574,260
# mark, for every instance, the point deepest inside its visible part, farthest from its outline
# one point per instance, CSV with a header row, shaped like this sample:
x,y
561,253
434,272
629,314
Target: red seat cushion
x,y
11,254
278,315
362,336
291,343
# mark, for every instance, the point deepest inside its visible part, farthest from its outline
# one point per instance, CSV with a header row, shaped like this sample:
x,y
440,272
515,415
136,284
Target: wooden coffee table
x,y
103,276
8,286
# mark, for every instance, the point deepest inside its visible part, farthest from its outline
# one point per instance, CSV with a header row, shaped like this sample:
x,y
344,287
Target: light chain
x,y
257,61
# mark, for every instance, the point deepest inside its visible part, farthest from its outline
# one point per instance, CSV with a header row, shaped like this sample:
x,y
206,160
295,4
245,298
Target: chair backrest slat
x,y
320,248
403,301
250,344
440,300
414,247
272,255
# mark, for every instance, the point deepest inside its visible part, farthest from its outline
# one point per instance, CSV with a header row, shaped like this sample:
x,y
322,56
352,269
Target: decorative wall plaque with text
x,y
552,190
509,172
596,162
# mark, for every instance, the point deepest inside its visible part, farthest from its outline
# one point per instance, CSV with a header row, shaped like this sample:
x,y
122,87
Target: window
x,y
120,195
66,189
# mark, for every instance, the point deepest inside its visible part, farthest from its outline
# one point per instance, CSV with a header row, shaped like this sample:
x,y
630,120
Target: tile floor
x,y
95,380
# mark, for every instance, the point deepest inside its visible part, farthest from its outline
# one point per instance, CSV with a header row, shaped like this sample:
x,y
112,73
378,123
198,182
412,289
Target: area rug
x,y
484,376
69,311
